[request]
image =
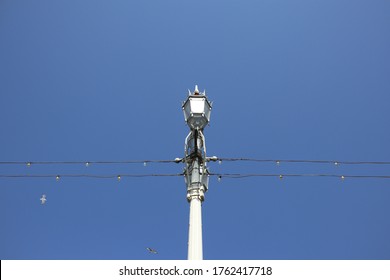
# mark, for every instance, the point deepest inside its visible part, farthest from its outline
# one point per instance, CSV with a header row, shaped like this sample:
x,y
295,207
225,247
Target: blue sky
x,y
104,80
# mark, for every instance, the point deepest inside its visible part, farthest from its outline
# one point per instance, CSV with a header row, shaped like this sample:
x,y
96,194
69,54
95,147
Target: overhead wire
x,y
305,161
29,163
219,175
239,175
176,161
109,176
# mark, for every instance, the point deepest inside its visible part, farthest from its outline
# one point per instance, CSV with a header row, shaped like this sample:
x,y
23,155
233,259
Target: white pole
x,y
195,250
195,196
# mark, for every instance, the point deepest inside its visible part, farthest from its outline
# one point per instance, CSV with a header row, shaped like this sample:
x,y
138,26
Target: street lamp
x,y
197,111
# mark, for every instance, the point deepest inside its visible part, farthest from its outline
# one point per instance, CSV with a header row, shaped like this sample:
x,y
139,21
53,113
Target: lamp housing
x,y
197,110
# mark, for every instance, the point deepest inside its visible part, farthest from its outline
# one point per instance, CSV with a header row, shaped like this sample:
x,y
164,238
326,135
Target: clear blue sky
x,y
104,80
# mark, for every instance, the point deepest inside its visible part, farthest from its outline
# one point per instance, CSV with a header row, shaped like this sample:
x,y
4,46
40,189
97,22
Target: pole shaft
x,y
195,195
195,250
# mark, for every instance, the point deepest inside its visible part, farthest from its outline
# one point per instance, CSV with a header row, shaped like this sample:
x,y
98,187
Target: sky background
x,y
104,80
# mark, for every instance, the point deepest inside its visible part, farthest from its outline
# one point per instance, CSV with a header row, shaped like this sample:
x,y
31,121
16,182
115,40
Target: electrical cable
x,y
239,176
336,162
58,176
29,163
219,175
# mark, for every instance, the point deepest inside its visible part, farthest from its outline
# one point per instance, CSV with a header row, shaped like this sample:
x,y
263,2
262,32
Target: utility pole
x,y
197,110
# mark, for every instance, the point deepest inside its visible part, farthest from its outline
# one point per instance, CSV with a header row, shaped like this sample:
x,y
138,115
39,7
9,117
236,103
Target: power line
x,y
219,175
281,176
278,161
336,162
60,176
177,160
111,176
29,163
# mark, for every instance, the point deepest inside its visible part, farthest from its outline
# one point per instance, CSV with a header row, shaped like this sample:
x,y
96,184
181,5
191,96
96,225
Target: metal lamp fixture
x,y
197,110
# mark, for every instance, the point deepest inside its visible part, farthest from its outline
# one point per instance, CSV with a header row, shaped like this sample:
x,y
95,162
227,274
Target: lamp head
x,y
197,110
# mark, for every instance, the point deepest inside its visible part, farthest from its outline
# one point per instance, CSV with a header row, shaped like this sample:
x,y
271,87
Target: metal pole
x,y
197,111
195,196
